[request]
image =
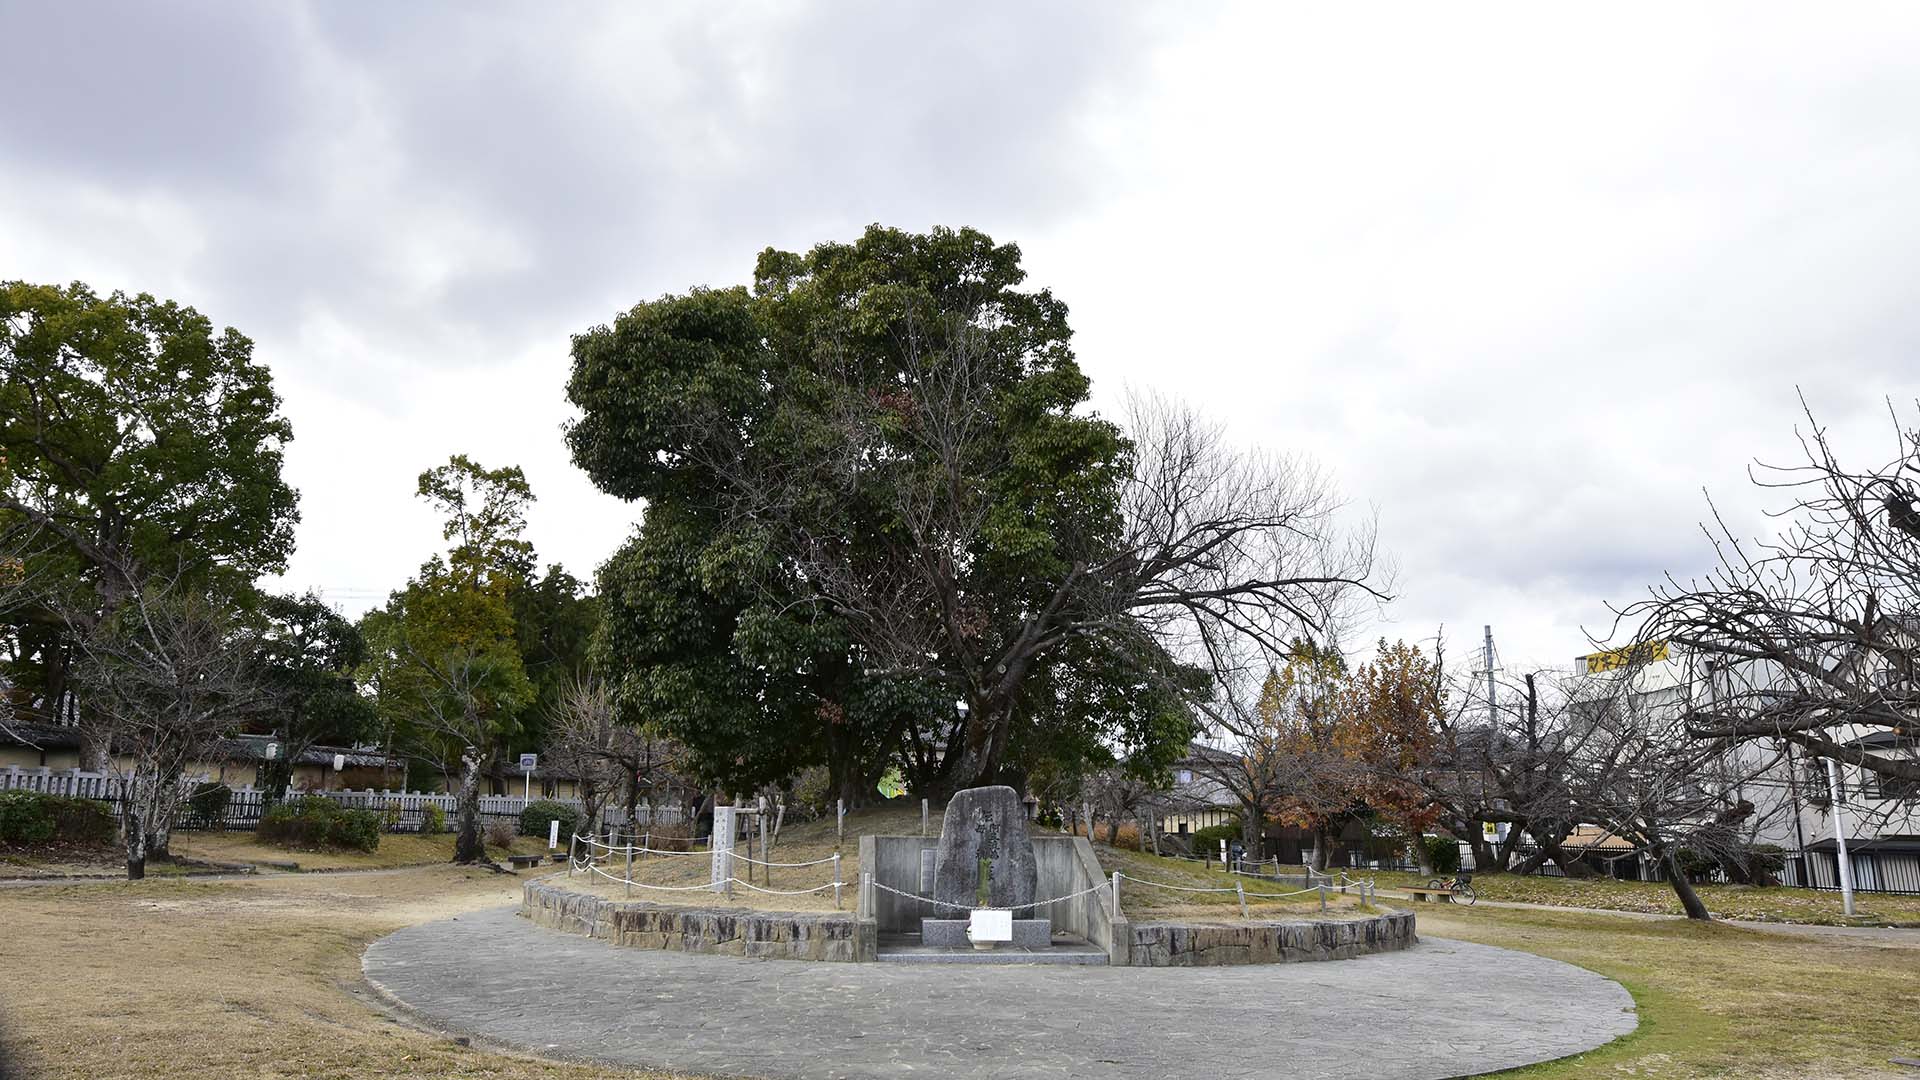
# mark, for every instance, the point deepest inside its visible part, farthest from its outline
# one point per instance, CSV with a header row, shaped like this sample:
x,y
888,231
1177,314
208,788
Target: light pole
x,y
1840,838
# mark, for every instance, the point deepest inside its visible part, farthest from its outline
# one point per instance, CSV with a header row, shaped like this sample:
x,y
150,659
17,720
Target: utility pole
x,y
1490,714
1493,727
1840,838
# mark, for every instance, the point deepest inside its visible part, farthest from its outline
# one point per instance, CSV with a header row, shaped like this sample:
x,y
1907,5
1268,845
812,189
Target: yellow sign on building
x,y
1646,652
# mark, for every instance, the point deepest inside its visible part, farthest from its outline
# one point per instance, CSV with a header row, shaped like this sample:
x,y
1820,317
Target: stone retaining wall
x,y
1187,945
781,935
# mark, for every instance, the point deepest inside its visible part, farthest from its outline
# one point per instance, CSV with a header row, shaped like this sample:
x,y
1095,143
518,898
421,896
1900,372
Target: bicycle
x,y
1461,887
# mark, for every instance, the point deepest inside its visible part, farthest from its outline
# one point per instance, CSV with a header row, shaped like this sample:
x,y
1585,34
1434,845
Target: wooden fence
x,y
406,809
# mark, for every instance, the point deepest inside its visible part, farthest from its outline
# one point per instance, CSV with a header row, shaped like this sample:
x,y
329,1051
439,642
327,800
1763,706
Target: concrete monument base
x,y
1027,933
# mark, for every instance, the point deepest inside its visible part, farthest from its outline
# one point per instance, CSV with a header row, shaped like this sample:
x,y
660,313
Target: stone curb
x,y
1172,944
835,937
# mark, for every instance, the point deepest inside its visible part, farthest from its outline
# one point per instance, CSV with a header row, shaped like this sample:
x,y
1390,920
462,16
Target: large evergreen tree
x,y
881,521
445,658
136,441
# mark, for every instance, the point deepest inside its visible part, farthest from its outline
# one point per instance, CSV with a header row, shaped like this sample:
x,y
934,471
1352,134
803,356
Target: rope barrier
x,y
882,886
706,886
1173,888
1283,895
591,864
1192,889
623,849
785,892
758,862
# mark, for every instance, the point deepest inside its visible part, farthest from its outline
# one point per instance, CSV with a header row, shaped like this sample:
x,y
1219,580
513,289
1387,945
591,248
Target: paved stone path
x,y
1440,1009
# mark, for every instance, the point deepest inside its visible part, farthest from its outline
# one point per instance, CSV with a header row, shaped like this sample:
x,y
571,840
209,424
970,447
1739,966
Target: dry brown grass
x,y
178,979
39,865
244,849
396,849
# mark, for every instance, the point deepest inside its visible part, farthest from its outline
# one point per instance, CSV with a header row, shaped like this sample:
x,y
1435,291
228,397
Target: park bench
x,y
523,862
1424,895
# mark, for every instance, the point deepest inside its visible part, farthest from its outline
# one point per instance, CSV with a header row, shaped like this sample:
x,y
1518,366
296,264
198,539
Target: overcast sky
x,y
1524,279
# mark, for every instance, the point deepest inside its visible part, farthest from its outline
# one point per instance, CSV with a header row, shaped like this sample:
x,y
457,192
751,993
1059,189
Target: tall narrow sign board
x,y
722,848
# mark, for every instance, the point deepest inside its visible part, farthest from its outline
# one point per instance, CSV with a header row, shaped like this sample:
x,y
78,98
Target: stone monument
x,y
984,859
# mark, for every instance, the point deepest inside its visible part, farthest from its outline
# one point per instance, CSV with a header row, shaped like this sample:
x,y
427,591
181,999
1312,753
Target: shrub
x,y
356,829
24,818
500,834
433,820
207,806
314,823
1443,853
1764,863
533,819
1759,863
29,817
813,791
1207,840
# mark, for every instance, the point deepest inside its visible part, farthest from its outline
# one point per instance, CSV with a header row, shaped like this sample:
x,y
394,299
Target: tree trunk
x,y
274,778
1689,900
469,846
591,801
94,753
159,823
1322,842
1504,849
1250,822
982,742
1421,856
135,832
1569,865
386,758
1483,859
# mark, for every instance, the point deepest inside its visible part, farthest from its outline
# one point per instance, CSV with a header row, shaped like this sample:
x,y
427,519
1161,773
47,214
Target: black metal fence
x,y
1892,872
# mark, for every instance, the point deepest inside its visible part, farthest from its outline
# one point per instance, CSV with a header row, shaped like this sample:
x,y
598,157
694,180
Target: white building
x,y
1789,788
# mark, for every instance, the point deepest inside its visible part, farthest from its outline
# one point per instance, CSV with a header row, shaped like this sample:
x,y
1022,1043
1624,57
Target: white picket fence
x,y
407,807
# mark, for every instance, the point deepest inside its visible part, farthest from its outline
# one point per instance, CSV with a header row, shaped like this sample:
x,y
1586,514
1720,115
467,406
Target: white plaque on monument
x,y
990,925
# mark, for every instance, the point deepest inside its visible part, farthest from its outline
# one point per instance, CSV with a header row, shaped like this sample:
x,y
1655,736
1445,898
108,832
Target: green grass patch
x,y
1656,898
1717,1000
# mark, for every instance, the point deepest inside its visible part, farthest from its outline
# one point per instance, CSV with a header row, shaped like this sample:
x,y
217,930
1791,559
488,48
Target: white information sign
x,y
984,926
722,847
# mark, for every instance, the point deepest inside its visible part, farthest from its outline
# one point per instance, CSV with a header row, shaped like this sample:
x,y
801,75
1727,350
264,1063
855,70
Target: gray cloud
x,y
1525,280
443,176
144,95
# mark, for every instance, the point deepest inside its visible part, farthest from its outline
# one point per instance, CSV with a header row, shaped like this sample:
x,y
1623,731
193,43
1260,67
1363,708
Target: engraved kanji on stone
x,y
989,835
